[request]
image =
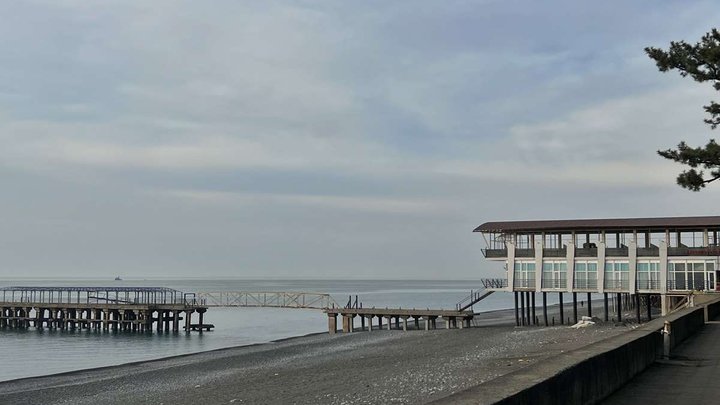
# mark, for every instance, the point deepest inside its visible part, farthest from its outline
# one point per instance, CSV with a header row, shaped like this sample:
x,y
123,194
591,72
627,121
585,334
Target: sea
x,y
32,352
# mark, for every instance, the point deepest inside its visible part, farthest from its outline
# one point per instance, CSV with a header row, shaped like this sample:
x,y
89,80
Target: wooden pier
x,y
397,316
133,309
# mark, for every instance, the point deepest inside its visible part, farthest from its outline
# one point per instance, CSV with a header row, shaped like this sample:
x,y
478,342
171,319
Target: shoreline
x,y
361,367
159,359
506,317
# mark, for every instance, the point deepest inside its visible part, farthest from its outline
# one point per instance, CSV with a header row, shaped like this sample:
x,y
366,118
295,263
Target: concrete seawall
x,y
589,374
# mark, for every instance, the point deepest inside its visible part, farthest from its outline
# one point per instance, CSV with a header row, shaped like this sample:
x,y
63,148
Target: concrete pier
x,y
396,318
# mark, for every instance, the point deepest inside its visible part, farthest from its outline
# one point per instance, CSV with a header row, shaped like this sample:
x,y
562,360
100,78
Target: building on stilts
x,y
632,263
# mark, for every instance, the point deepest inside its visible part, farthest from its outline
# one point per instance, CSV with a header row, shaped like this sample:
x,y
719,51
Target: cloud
x,y
396,206
366,137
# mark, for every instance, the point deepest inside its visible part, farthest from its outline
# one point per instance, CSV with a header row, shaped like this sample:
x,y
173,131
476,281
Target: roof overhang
x,y
617,224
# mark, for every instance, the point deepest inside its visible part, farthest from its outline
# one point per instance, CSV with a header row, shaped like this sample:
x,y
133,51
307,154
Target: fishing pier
x,y
133,309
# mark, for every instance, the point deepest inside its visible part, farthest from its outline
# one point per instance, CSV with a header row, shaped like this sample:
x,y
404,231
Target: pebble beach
x,y
380,367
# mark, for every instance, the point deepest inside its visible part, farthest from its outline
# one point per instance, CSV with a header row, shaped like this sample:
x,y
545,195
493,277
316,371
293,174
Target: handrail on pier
x,y
267,299
96,294
488,287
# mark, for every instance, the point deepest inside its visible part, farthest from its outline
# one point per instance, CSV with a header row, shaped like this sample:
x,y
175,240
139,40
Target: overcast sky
x,y
361,139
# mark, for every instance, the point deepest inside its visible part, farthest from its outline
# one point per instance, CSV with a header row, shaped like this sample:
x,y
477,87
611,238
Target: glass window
x,y
617,275
525,274
554,274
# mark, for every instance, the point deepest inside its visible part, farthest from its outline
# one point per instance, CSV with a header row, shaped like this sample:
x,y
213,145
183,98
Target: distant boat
x,y
118,278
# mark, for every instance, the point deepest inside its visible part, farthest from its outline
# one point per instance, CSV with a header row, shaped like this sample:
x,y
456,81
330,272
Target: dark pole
x,y
517,315
575,307
532,294
619,307
522,308
527,308
649,309
589,302
544,295
562,310
607,312
637,306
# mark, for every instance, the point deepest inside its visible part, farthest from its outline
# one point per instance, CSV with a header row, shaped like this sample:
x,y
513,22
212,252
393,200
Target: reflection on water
x,y
37,352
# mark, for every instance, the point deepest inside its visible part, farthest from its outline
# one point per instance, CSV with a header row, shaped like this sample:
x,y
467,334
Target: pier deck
x,y
136,309
430,316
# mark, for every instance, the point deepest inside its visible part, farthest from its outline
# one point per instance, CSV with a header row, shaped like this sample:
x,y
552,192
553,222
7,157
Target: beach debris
x,y
584,323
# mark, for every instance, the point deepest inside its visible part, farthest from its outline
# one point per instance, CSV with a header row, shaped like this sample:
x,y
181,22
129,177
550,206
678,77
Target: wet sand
x,y
359,368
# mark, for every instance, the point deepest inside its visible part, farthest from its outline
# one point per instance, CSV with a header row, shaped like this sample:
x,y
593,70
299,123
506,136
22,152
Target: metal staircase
x,y
489,285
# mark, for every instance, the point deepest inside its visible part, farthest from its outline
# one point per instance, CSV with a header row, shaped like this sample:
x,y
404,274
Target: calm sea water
x,y
31,352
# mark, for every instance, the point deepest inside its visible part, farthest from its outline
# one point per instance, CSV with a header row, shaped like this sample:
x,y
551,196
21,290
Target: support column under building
x,y
527,310
589,304
619,307
607,308
534,318
544,299
517,313
575,319
562,309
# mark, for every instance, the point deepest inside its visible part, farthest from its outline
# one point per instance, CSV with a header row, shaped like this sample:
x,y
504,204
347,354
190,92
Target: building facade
x,y
664,256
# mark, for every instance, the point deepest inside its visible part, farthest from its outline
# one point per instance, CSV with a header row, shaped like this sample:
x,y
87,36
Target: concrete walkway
x,y
692,375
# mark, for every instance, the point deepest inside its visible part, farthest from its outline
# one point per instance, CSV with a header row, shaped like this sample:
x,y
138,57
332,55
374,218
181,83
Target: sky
x,y
330,140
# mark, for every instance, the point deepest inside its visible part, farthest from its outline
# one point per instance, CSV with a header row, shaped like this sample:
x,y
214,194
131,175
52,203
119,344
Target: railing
x,y
653,251
524,252
554,283
95,295
353,305
703,251
687,285
678,251
585,284
612,284
303,300
494,253
494,282
555,252
488,286
617,252
648,284
586,252
524,282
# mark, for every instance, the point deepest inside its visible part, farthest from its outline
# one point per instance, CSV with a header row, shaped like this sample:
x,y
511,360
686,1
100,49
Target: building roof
x,y
601,224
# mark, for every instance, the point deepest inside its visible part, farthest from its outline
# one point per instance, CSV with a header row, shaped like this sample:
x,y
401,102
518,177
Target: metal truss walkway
x,y
267,299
